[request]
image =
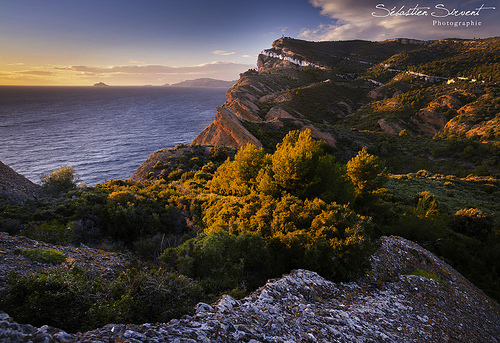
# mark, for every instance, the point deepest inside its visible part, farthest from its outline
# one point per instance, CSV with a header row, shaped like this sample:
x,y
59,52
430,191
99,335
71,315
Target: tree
x,y
368,174
238,177
60,180
300,167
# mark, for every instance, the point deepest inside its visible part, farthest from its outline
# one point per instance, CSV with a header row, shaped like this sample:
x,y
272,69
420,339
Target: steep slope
x,y
394,303
16,188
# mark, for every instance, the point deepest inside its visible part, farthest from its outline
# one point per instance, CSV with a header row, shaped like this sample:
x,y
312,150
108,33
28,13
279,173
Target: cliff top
x,y
393,303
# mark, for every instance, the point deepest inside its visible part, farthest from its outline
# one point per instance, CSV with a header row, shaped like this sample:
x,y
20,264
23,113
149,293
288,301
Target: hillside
x,y
408,296
352,90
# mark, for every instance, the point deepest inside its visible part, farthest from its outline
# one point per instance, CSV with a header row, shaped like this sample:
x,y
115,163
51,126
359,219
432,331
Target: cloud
x,y
223,52
36,72
155,74
207,68
361,19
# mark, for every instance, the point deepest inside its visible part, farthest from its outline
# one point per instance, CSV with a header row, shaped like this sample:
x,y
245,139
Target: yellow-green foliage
x,y
299,166
428,275
239,176
273,213
472,222
367,172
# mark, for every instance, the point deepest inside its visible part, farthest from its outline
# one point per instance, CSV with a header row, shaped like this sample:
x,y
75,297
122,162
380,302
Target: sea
x,y
104,133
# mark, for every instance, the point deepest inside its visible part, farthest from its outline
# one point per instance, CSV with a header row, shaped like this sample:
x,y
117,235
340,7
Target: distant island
x,y
204,82
100,84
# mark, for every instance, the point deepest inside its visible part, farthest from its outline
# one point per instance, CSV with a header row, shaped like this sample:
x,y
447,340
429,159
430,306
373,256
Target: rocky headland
x,y
332,86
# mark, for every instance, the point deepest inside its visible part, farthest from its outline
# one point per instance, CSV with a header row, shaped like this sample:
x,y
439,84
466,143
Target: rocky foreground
x,y
389,305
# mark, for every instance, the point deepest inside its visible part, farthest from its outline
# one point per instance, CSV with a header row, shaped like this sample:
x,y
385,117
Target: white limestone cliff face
x,y
272,58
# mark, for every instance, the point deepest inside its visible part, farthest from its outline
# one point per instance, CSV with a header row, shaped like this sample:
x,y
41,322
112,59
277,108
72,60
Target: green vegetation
x,y
213,229
224,221
72,299
221,224
44,255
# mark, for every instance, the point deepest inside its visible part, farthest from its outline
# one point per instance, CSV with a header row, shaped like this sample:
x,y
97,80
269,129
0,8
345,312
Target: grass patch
x,y
428,275
44,255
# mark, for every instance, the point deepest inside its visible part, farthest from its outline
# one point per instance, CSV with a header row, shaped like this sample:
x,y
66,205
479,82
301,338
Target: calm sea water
x,y
104,133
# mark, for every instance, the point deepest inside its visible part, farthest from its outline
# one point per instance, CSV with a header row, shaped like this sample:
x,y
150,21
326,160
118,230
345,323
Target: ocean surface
x,y
103,132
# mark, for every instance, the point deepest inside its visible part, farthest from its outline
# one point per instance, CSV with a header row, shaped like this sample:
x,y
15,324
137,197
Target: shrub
x,y
56,297
253,238
140,296
299,166
472,222
53,232
238,177
60,180
222,261
72,300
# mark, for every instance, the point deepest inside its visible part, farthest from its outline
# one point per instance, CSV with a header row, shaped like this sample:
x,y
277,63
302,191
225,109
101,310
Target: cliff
x,y
227,130
16,188
409,296
388,86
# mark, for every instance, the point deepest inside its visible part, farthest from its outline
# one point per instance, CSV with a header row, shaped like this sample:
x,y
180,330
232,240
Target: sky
x,y
157,42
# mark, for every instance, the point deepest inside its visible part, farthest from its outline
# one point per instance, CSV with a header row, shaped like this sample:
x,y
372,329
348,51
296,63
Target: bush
x,y
301,168
367,172
254,238
223,262
53,232
472,222
56,297
72,300
140,296
61,180
238,177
